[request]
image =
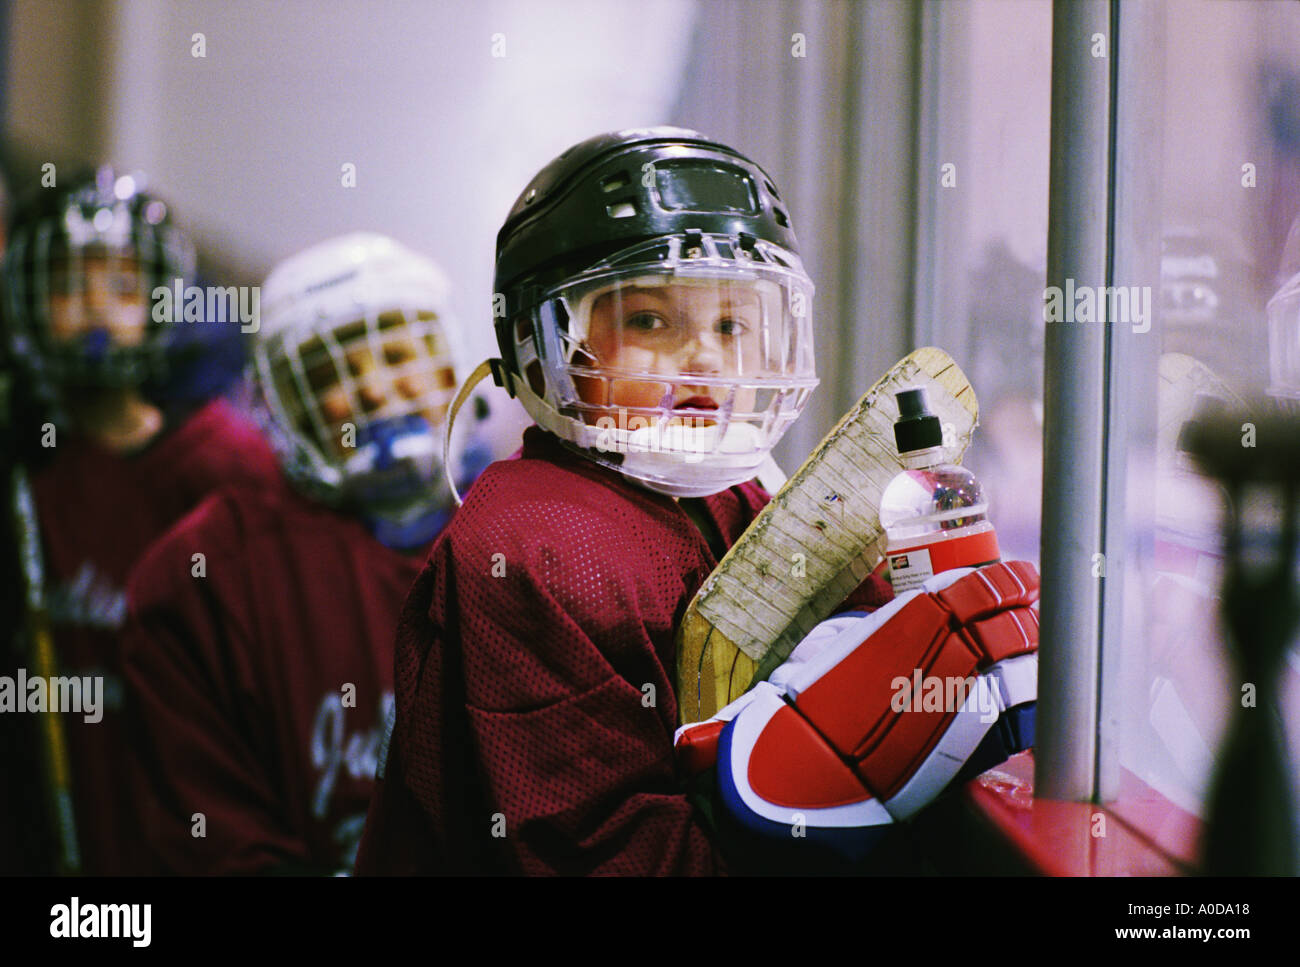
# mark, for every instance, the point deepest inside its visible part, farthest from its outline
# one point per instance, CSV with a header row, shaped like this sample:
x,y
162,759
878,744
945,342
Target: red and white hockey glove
x,y
872,716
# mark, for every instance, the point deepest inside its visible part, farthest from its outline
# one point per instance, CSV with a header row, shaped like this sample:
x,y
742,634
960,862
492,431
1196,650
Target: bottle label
x,y
907,569
910,566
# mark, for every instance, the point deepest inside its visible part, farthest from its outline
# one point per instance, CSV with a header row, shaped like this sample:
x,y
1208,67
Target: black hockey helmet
x,y
617,189
96,213
678,402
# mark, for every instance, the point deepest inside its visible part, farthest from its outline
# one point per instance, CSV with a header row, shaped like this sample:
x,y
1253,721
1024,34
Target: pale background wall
x,y
248,142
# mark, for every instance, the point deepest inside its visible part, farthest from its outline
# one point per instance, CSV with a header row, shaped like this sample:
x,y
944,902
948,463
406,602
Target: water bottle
x,y
934,514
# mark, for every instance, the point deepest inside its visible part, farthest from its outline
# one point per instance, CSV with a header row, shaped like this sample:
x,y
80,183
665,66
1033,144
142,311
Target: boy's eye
x,y
644,322
732,327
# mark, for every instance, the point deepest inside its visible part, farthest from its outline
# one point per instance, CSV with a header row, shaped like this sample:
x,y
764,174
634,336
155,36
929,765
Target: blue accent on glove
x,y
1013,732
851,843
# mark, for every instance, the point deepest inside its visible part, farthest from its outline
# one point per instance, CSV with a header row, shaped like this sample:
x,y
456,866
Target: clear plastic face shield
x,y
365,400
684,359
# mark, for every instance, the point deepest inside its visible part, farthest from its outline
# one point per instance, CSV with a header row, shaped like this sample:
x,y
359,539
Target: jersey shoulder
x,y
215,446
545,499
218,529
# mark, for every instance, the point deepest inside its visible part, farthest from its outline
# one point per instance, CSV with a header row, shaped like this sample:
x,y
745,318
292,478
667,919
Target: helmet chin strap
x,y
481,372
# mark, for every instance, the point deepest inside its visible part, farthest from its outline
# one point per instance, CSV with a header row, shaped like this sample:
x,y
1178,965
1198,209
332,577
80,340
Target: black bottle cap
x,y
917,428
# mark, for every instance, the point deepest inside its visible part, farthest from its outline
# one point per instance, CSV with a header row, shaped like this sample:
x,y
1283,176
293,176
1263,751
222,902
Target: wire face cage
x,y
335,390
80,273
357,368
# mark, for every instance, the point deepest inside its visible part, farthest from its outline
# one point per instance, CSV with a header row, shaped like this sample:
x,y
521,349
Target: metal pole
x,y
1080,204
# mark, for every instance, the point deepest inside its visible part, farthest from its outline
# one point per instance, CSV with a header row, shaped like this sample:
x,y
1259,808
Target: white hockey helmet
x,y
357,365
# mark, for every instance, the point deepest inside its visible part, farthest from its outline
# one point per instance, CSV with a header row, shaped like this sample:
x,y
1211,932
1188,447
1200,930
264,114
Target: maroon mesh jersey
x,y
98,513
535,667
257,693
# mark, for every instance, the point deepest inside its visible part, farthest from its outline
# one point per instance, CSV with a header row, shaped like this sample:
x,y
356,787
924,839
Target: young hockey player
x,y
259,680
109,472
655,321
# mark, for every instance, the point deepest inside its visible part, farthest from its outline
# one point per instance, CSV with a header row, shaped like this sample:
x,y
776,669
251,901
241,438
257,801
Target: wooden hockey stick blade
x,y
813,544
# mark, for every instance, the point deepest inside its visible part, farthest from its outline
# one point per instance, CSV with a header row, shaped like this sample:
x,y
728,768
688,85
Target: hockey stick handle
x,y
54,742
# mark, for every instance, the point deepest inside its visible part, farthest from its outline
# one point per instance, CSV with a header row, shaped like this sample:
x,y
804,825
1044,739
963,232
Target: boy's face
x,y
675,330
98,293
398,367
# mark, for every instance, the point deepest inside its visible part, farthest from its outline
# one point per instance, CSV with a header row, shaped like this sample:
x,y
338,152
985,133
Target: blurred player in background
x,y
259,683
109,469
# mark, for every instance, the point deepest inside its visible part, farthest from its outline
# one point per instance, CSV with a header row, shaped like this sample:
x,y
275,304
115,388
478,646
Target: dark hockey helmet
x,y
52,236
656,213
614,190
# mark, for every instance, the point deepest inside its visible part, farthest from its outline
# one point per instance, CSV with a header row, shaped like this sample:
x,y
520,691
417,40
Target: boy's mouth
x,y
697,403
